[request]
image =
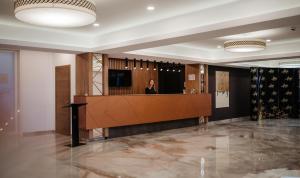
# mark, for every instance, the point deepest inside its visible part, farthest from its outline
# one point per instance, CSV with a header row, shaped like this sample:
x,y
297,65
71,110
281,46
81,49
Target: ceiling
x,y
189,31
115,15
266,63
276,35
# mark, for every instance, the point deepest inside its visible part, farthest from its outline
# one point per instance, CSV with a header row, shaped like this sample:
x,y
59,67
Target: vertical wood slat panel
x,y
105,67
206,78
84,74
140,77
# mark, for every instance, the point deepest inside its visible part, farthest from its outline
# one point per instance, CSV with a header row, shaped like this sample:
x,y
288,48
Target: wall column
x,y
84,82
84,74
105,66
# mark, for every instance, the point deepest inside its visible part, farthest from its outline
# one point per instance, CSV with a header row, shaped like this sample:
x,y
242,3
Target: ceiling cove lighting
x,y
293,64
56,13
241,46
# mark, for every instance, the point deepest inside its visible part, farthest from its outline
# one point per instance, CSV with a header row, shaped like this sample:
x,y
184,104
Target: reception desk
x,y
126,110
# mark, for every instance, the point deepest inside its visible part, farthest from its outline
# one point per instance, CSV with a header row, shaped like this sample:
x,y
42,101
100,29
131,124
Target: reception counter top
x,y
124,110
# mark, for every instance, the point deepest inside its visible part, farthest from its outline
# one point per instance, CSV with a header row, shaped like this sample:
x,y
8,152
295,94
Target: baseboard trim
x,y
36,133
151,127
230,120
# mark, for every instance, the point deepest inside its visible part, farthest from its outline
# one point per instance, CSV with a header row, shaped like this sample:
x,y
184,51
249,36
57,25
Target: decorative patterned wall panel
x,y
274,90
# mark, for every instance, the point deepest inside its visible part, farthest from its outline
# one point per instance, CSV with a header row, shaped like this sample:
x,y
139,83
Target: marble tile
x,y
247,149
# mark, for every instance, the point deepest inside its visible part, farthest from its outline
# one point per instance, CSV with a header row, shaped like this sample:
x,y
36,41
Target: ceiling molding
x,y
165,37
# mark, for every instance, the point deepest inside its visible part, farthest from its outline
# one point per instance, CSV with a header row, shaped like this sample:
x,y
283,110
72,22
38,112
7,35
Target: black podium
x,y
75,124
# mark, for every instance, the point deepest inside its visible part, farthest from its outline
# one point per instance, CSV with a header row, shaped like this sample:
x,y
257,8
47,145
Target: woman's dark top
x,y
150,90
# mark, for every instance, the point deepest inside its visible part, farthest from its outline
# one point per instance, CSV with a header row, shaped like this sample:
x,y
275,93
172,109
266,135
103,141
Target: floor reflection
x,y
241,149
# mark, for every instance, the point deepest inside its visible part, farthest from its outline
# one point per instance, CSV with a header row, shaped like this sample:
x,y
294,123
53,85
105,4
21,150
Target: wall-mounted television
x,y
119,78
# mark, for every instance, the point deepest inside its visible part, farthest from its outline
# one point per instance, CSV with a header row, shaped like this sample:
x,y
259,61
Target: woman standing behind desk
x,y
151,87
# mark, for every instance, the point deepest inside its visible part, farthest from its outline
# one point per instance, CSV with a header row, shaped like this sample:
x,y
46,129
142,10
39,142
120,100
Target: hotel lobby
x,y
149,88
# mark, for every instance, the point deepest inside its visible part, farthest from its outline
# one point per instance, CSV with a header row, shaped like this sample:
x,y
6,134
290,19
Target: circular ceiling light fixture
x,y
56,13
249,45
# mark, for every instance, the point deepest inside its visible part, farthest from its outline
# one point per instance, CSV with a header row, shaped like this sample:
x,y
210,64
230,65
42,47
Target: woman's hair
x,y
150,81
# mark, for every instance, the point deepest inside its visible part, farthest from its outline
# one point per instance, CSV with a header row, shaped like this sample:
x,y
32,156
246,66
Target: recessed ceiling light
x,y
96,25
150,8
268,40
219,46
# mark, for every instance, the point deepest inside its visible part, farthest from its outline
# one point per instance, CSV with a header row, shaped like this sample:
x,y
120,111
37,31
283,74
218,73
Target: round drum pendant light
x,y
56,13
250,45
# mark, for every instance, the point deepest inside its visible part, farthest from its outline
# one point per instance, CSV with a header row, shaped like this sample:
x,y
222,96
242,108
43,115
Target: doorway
x,y
62,98
8,120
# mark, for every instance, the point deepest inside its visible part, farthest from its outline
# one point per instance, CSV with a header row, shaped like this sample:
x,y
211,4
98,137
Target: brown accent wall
x,y
192,84
195,84
140,78
105,66
84,74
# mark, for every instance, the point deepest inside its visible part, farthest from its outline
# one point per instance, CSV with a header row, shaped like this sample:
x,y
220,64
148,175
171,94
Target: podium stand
x,y
75,124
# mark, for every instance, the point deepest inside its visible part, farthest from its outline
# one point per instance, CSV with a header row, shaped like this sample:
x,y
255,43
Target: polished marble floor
x,y
245,149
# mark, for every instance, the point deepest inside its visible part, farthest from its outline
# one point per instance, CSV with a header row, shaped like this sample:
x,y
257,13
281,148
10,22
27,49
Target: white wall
x,y
36,91
37,88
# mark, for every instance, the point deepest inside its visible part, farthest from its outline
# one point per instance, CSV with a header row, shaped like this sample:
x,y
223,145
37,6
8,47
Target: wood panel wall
x,y
192,69
206,81
195,84
105,66
140,78
84,74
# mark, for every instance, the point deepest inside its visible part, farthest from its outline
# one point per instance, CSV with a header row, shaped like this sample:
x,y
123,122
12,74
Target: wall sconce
x,y
202,82
141,64
147,63
134,63
179,67
174,67
161,66
202,70
126,63
154,65
168,65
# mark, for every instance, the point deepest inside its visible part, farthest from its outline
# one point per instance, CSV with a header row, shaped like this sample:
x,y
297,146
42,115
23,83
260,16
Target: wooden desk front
x,y
113,111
